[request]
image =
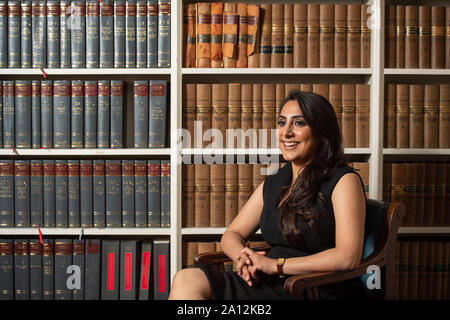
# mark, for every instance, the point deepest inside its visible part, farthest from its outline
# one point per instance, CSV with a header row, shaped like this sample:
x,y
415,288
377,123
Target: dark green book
x,y
37,193
128,269
36,270
92,277
8,114
128,210
74,193
22,114
99,180
161,263
61,194
48,277
110,269
154,193
7,269
157,114
78,260
165,193
113,193
21,269
22,193
140,193
63,259
86,194
7,192
103,118
49,193
61,114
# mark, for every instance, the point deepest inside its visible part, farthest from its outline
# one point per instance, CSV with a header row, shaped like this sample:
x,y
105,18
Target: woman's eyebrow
x,y
294,116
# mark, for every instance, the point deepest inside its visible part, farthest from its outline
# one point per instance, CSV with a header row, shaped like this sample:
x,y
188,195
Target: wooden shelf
x,y
86,152
417,72
416,151
250,151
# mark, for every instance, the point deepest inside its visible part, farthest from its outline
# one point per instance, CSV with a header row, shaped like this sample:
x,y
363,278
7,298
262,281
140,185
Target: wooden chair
x,y
381,227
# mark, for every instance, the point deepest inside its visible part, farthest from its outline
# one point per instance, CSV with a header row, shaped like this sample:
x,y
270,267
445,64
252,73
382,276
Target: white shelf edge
x,y
87,71
206,231
242,151
416,151
417,72
266,71
85,231
424,230
84,152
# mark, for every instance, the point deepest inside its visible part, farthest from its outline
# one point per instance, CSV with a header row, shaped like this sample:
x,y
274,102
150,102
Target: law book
x,y
165,193
288,33
437,37
217,195
231,192
313,42
402,116
390,115
431,251
141,108
141,34
119,30
1,112
128,210
444,116
279,98
78,260
411,194
253,35
61,194
429,194
3,34
447,37
21,269
22,115
266,35
387,176
219,112
90,113
268,115
152,34
145,289
63,259
36,193
48,268
335,95
363,170
249,137
129,51
116,114
353,36
202,195
92,269
154,193
78,34
440,184
190,250
77,114
403,270
241,47
447,192
258,176
349,115
400,34
362,138
190,35
416,113
424,37
113,191
326,35
140,195
128,269
230,35
322,89
25,34
61,114
390,36
73,181
103,114
8,114
423,251
14,34
445,286
413,269
188,200
53,34
398,182
277,37
65,34
233,139
22,193
47,114
49,193
245,184
161,263
300,33
157,112
110,269
86,193
106,47
437,270
164,33
411,37
35,114
7,270
216,34
92,34
203,114
366,35
420,200
257,109
99,196
431,116
189,113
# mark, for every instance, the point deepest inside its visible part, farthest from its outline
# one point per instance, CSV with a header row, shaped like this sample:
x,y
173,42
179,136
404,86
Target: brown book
x,y
268,114
326,35
411,194
439,214
402,116
188,195
241,48
230,34
429,194
288,31
189,106
231,192
445,264
431,117
437,37
253,36
420,199
313,44
249,137
203,113
288,87
266,35
189,37
349,115
216,34
234,114
424,37
387,184
412,37
257,111
323,89
362,115
203,35
423,252
276,58
340,36
397,270
206,247
202,195
437,269
413,269
447,37
300,35
390,116
403,270
217,195
245,184
353,36
444,116
306,87
190,251
416,95
363,170
447,196
365,36
336,102
390,36
279,98
219,112
429,270
398,180
258,175
400,36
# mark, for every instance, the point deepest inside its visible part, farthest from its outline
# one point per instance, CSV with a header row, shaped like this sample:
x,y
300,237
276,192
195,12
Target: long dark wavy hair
x,y
319,115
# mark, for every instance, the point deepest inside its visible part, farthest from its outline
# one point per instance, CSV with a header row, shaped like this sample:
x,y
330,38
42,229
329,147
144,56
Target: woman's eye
x,y
299,123
281,123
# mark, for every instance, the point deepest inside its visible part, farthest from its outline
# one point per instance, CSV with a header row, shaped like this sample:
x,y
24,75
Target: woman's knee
x,y
190,283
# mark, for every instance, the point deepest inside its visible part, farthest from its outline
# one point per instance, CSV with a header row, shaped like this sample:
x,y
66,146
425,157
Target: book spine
x,y
25,35
254,35
22,193
219,111
362,115
189,101
390,116
429,194
203,113
189,36
431,116
86,193
120,26
14,34
99,197
46,114
424,37
110,269
21,269
335,92
231,192
113,192
161,262
22,113
416,96
157,113
152,34
257,108
103,118
141,34
73,181
437,37
411,193
279,98
266,35
188,218
36,193
165,193
92,34
4,34
277,54
313,59
49,193
245,184
349,115
390,50
128,269
441,175
247,117
35,114
63,259
106,34
90,114
48,266
447,39
420,200
164,33
366,35
411,37
92,269
300,32
241,48
217,195
128,192
7,270
340,38
77,114
202,195
402,116
203,35
78,34
444,116
1,114
61,201
130,34
268,115
8,114
53,33
7,191
145,283
141,99
400,36
78,259
140,196
288,56
413,270
326,36
65,34
116,121
216,35
61,114
154,193
354,36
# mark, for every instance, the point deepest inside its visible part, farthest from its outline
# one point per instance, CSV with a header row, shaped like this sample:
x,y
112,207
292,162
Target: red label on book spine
x,y
145,268
110,280
127,271
162,273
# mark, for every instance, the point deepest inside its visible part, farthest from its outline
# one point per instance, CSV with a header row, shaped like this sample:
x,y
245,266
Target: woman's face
x,y
296,139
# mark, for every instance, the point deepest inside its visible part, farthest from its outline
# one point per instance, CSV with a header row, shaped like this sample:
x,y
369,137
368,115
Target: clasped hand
x,y
249,263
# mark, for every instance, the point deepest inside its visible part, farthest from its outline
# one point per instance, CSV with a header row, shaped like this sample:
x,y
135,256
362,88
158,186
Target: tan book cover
x,y
420,199
431,116
266,35
202,195
203,112
440,209
313,42
288,32
411,194
249,138
398,181
288,87
323,89
349,115
188,171
190,251
362,115
257,176
336,102
447,37
437,37
216,34
206,247
190,35
400,36
234,114
268,113
300,35
444,116
219,112
353,36
390,114
366,13
306,87
326,35
429,194
253,35
340,36
390,36
189,111
203,35
424,37
363,170
402,116
276,59
241,48
416,96
279,98
245,184
412,37
217,195
230,34
231,192
257,110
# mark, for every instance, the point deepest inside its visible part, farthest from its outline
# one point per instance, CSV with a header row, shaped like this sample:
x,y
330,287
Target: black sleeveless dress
x,y
229,285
